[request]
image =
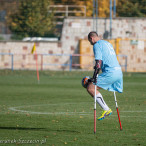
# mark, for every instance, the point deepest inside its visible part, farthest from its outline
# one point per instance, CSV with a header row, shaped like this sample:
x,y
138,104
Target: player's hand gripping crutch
x,y
117,110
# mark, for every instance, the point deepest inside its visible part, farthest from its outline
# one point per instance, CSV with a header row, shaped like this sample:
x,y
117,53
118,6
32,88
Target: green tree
x,y
131,8
125,8
64,2
103,6
31,19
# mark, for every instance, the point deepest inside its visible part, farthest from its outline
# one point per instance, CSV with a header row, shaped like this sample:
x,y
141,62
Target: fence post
x,y
126,64
70,65
117,46
12,62
66,13
85,11
41,62
110,19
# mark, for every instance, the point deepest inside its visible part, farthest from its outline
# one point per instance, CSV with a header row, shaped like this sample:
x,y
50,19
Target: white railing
x,y
63,11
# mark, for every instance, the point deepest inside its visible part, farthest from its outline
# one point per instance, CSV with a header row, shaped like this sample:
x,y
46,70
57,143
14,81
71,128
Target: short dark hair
x,y
92,34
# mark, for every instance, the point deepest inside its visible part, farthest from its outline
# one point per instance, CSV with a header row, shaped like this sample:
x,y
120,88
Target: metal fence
x,y
64,11
44,64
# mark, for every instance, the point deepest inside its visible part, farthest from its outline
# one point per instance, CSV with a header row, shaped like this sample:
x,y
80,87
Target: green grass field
x,y
58,111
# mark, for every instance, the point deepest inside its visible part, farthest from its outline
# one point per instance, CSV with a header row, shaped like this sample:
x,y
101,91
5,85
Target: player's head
x,y
93,37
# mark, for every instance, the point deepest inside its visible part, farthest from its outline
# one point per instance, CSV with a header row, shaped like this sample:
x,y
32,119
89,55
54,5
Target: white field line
x,y
18,109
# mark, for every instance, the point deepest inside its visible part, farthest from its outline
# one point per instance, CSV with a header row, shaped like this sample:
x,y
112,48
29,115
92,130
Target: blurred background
x,y
59,29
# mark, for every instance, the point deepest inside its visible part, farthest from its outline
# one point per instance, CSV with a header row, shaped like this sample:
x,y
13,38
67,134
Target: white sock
x,y
101,102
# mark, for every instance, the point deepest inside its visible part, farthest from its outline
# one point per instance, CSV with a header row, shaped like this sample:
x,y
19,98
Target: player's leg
x,y
106,110
99,98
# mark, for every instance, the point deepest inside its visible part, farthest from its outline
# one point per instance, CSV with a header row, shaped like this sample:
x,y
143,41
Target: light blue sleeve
x,y
97,51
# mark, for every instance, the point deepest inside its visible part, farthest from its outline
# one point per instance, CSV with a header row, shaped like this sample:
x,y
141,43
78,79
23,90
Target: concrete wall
x,y
136,52
73,30
23,59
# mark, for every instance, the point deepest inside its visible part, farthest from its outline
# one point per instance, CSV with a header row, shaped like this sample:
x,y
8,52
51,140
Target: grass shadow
x,y
36,129
20,128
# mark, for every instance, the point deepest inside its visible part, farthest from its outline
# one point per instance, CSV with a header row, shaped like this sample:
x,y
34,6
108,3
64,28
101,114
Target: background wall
x,y
73,31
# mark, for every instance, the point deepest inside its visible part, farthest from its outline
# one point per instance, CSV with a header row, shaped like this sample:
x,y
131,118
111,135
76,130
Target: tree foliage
x,y
125,8
31,19
131,8
103,6
64,2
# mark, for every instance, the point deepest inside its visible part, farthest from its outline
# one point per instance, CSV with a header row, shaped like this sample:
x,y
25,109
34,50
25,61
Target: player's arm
x,y
97,68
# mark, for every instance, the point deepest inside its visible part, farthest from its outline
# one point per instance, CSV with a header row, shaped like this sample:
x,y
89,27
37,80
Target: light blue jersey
x,y
111,77
104,51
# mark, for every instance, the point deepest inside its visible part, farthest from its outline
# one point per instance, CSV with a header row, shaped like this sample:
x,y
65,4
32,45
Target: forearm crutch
x,y
117,110
95,106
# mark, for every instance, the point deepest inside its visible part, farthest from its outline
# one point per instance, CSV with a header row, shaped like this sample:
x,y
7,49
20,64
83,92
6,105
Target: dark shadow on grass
x,y
37,129
20,128
71,131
